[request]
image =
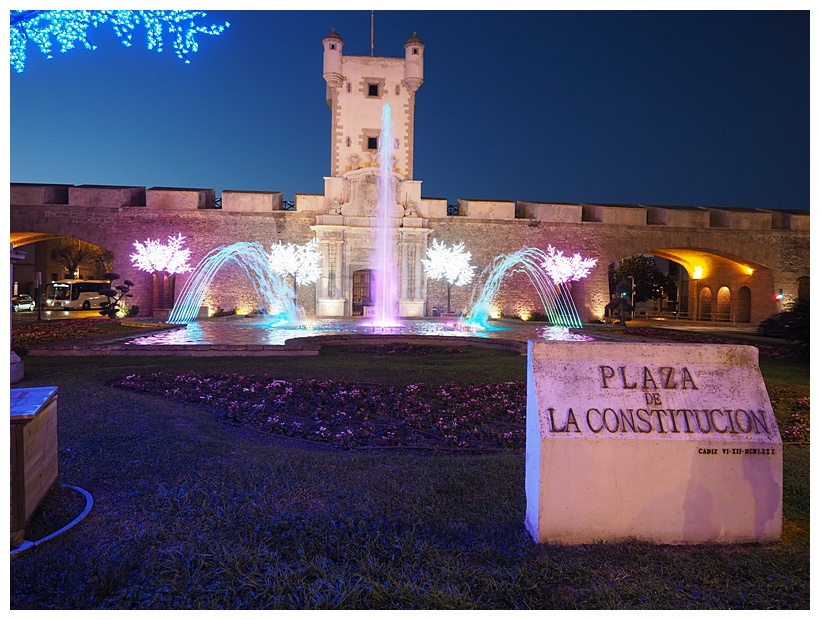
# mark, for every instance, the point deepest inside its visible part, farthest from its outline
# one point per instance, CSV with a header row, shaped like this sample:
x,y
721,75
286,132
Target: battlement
x,y
174,198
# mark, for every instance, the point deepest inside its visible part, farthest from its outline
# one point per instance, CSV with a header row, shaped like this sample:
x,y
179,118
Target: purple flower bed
x,y
793,414
350,415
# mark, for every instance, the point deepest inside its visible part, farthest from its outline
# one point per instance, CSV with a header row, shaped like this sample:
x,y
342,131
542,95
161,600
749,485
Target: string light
x,y
154,256
70,28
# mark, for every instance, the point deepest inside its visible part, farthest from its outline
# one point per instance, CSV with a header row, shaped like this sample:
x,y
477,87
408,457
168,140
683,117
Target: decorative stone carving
x,y
363,189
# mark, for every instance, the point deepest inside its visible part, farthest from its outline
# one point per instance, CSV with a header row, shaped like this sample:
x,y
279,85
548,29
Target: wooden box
x,y
33,452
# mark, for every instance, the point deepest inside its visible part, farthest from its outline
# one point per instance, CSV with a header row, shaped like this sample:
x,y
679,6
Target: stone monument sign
x,y
669,443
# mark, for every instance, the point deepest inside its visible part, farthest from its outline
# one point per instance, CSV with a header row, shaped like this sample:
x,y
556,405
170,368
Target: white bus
x,y
75,294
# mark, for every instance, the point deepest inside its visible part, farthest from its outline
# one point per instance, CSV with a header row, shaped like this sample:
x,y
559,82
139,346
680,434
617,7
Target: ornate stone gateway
x,y
347,240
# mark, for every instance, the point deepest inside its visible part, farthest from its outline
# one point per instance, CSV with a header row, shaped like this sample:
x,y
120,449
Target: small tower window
x,y
333,46
373,144
348,87
348,141
415,51
397,89
372,90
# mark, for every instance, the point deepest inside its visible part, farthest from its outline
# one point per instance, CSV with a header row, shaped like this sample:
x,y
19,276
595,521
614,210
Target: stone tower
x,y
357,89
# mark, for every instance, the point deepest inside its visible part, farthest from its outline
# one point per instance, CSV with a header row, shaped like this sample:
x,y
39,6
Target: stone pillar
x,y
329,296
338,283
16,364
404,269
419,248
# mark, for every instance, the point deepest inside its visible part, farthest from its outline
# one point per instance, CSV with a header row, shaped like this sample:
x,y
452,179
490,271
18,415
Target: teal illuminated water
x,y
556,300
274,295
254,331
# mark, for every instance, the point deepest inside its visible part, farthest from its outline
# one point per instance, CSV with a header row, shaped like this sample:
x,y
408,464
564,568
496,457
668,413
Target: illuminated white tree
x,y
70,28
154,256
561,269
301,263
452,264
164,262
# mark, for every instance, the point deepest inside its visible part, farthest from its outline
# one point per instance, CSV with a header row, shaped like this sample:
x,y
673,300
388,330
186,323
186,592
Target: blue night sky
x,y
674,108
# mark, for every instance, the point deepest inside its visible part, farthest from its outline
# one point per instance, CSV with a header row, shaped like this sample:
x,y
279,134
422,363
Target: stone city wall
x,y
776,244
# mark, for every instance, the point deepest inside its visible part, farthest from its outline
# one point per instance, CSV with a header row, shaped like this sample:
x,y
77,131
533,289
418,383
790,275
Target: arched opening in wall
x,y
723,305
361,291
704,312
56,258
744,305
163,287
651,283
803,288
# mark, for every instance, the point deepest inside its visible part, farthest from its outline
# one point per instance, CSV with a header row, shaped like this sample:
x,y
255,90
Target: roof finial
x,y
372,34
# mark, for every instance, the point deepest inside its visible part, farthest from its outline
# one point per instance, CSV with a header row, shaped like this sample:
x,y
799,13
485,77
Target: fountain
x,y
386,280
548,276
558,305
272,292
251,257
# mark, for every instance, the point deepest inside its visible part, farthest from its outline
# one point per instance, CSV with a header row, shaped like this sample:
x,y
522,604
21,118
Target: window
x,y
372,90
333,46
373,144
348,87
348,141
415,51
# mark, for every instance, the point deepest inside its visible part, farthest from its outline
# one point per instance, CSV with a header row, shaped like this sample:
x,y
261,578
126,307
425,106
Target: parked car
x,y
778,325
22,302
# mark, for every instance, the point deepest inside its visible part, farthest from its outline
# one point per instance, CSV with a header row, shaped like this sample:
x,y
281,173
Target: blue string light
x,y
70,28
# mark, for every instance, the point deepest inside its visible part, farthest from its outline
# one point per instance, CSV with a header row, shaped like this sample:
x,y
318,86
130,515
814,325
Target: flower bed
x,y
350,415
41,332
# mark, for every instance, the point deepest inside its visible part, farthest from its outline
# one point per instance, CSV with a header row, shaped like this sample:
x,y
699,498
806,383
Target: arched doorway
x,y
705,304
361,291
803,288
163,286
723,306
744,305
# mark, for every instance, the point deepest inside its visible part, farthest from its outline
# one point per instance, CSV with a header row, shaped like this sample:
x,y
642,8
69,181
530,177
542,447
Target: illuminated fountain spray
x,y
549,274
385,287
274,294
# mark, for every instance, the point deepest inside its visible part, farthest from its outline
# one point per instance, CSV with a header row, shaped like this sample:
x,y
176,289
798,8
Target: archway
x,y
803,288
361,291
163,286
704,304
723,305
744,305
56,257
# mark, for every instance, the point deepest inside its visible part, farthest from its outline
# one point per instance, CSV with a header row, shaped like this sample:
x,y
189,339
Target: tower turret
x,y
332,66
413,63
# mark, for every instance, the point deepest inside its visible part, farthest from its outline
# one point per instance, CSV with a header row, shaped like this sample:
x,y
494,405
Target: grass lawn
x,y
191,512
